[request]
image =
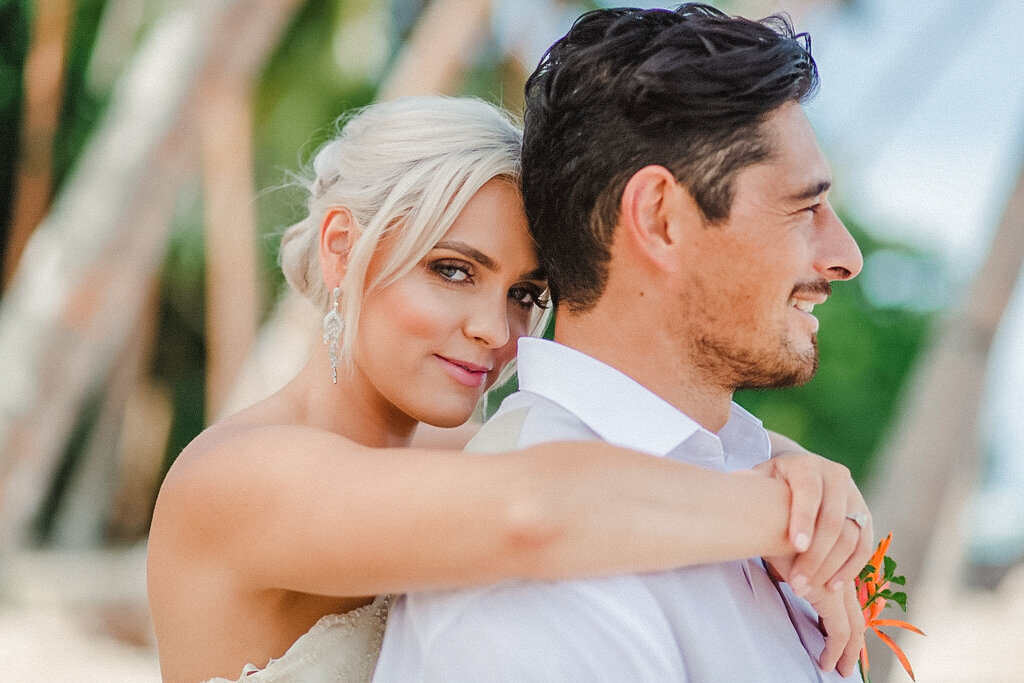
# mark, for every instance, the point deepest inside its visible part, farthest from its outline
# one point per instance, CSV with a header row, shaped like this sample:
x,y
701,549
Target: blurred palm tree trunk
x,y
931,460
433,60
88,268
232,281
87,498
43,79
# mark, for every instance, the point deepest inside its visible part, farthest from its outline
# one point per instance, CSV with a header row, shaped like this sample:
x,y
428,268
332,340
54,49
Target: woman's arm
x,y
309,511
837,553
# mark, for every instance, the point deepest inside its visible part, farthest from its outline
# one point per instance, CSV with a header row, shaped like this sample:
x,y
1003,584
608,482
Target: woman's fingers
x,y
827,530
832,610
844,627
831,572
860,554
802,474
841,544
806,490
855,644
853,544
829,524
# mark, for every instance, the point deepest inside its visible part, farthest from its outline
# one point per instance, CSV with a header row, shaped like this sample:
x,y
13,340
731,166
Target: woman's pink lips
x,y
466,374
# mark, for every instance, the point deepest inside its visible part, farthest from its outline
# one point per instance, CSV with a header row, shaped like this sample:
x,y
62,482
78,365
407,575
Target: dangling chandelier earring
x,y
333,327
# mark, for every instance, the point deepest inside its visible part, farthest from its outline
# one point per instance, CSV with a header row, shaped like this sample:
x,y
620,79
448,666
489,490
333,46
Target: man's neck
x,y
650,357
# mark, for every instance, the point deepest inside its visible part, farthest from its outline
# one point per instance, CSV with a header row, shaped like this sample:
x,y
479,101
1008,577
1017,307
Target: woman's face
x,y
433,341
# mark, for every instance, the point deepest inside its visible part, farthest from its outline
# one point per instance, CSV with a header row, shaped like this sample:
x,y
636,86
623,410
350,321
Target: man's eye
x,y
528,296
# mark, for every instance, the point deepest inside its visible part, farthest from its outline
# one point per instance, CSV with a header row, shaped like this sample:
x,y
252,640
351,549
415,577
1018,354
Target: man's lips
x,y
465,373
806,304
807,295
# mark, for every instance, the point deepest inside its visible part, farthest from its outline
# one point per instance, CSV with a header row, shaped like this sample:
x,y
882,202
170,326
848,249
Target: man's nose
x,y
838,256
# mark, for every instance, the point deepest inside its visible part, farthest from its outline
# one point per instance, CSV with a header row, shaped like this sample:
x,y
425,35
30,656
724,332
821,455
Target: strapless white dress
x,y
339,647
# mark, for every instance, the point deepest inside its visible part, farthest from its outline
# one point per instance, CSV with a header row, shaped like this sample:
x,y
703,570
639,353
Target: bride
x,y
279,531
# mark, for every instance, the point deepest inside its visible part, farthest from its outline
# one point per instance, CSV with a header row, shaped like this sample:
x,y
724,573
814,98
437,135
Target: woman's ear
x,y
338,231
656,214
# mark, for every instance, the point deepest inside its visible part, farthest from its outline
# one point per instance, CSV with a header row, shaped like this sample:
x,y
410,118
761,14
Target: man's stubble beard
x,y
736,368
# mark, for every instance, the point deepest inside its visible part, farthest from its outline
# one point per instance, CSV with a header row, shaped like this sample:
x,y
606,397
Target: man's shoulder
x,y
501,433
526,419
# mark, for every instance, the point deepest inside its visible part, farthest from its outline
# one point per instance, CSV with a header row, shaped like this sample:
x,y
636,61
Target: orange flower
x,y
874,590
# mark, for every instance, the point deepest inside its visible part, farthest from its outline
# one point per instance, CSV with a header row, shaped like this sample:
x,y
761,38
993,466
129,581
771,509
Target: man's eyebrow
x,y
468,251
811,191
537,274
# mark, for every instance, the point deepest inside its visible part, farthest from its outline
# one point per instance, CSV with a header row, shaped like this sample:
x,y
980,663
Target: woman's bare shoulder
x,y
239,450
238,460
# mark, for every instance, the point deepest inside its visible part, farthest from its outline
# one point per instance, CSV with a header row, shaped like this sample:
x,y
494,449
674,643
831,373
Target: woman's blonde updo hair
x,y
405,169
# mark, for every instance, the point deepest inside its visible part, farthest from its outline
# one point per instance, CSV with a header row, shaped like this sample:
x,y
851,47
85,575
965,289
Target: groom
x,y
678,198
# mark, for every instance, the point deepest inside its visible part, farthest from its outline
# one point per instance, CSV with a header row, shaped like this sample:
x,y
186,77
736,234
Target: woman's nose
x,y
489,324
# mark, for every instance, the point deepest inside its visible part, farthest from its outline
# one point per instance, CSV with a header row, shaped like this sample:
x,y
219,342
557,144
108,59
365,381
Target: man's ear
x,y
657,215
338,231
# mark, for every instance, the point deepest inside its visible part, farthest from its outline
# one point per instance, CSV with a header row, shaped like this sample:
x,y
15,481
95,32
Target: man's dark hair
x,y
687,89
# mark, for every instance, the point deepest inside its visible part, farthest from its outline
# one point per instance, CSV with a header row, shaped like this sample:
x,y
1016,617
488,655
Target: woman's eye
x,y
452,272
528,296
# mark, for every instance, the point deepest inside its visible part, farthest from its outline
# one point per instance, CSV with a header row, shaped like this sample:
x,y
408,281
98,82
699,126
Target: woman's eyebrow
x,y
469,252
483,259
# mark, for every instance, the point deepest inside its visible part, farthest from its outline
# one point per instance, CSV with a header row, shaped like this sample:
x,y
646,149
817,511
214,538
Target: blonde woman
x,y
280,530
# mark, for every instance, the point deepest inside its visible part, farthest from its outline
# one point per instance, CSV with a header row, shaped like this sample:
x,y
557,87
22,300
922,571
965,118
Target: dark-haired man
x,y
678,197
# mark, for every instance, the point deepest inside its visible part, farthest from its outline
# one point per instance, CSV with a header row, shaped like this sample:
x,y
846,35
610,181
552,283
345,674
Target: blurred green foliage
x,y
82,106
14,33
179,359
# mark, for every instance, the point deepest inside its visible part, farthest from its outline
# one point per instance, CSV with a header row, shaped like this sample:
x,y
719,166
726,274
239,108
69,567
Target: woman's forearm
x,y
599,510
318,514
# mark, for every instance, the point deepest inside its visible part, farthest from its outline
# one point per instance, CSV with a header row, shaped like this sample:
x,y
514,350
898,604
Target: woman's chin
x,y
446,420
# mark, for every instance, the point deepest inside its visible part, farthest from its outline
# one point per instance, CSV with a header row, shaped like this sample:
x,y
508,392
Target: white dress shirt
x,y
717,622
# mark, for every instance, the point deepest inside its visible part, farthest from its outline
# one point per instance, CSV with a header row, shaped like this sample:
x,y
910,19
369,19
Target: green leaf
x,y
900,599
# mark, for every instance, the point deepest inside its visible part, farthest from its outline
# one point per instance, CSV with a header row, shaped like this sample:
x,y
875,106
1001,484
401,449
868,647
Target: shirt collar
x,y
622,411
615,406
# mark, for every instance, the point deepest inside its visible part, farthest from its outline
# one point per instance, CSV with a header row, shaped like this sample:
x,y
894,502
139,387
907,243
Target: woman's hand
x,y
831,547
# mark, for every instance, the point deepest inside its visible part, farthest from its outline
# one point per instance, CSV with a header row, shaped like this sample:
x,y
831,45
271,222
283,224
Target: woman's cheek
x,y
424,311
